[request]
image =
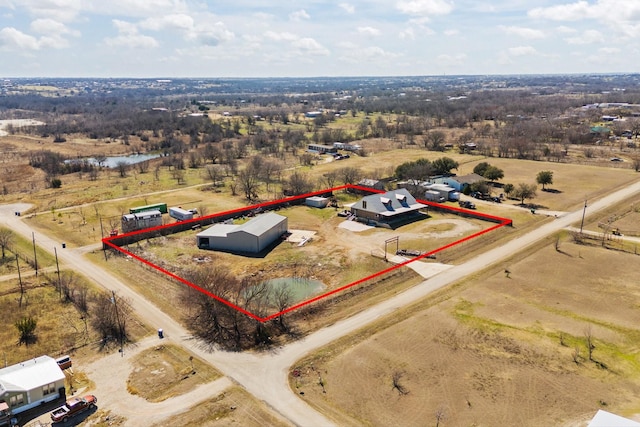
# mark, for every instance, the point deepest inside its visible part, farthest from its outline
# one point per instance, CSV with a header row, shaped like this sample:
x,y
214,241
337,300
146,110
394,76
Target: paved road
x,y
265,375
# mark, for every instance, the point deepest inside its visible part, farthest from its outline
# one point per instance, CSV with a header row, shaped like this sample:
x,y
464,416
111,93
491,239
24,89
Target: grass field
x,y
496,349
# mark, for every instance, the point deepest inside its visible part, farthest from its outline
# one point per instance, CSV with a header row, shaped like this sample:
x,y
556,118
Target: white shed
x,y
28,384
317,201
250,237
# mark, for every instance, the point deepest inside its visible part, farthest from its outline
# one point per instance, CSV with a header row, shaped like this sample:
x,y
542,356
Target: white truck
x,y
182,214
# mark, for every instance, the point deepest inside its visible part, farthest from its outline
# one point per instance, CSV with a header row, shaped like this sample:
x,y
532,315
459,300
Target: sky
x,y
285,38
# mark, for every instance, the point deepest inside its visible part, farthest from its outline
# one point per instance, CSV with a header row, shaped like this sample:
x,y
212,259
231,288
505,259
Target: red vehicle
x,y
73,407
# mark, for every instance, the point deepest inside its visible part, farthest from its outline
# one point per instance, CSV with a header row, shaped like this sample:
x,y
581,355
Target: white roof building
x,y
29,383
607,419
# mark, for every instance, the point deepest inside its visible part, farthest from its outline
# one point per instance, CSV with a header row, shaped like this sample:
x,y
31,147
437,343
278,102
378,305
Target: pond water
x,y
132,159
300,288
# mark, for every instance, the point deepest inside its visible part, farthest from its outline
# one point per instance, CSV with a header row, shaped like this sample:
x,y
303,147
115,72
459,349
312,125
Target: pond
x,y
132,159
300,288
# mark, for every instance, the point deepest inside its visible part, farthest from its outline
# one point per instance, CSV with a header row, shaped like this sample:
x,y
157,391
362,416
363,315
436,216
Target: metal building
x,y
250,237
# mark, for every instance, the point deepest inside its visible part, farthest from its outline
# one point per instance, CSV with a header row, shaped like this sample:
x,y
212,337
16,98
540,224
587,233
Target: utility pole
x,y
35,255
104,248
19,281
584,210
55,251
115,304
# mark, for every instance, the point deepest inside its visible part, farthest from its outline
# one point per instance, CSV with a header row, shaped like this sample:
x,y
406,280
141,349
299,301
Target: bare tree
x,y
249,182
349,175
214,173
122,168
298,183
397,385
6,239
109,317
283,299
441,415
588,337
330,178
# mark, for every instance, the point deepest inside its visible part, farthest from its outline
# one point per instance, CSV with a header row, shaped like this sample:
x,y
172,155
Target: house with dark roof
x,y
253,236
389,209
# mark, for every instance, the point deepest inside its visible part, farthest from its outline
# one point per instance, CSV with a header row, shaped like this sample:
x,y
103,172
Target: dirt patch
x,y
496,350
233,407
165,371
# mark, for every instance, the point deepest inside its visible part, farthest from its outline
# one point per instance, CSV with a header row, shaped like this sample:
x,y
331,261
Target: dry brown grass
x,y
494,350
233,407
61,328
166,371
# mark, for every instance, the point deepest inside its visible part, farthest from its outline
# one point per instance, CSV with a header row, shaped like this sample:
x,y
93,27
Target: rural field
x,y
546,336
508,347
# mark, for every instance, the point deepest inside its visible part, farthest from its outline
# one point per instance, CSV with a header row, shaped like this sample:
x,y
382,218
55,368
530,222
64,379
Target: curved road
x,y
266,375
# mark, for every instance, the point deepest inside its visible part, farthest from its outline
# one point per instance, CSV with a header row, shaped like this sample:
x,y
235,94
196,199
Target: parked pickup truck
x,y
73,407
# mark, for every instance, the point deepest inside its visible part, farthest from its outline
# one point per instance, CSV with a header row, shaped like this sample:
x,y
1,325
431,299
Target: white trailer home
x,y
141,220
181,214
27,384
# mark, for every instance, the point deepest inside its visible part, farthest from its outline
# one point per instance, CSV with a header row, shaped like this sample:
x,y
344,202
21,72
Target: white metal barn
x,y
250,237
28,384
317,201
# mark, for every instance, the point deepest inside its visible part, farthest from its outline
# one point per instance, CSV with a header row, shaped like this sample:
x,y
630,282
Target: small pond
x,y
301,288
132,159
112,161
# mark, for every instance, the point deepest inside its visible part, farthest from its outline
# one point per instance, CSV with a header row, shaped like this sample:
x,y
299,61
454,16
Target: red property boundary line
x,y
112,243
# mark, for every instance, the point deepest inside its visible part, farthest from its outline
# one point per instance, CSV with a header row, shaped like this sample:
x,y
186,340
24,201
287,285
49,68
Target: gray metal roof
x,y
390,203
256,226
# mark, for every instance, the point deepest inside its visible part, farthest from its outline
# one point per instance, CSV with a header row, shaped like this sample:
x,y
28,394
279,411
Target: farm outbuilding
x,y
28,384
141,220
317,201
251,237
446,192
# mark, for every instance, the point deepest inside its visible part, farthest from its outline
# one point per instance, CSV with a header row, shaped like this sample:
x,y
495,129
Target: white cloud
x,y
212,34
284,36
370,31
299,15
424,7
607,10
368,54
128,36
11,38
134,8
610,50
564,12
446,60
51,27
52,36
53,33
522,51
451,32
407,34
526,33
587,37
566,30
308,45
178,21
59,10
349,8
